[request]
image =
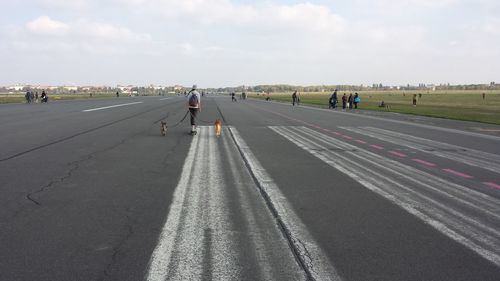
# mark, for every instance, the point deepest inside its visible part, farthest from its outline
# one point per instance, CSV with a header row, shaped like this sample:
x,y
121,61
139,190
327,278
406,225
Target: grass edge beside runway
x,y
467,113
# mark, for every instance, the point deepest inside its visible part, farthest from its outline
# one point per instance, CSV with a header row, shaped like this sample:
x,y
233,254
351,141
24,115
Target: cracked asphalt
x,y
86,195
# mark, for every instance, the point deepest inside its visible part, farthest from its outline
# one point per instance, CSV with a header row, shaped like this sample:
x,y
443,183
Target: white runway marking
x,y
196,227
201,241
262,245
318,263
469,217
472,157
112,106
165,99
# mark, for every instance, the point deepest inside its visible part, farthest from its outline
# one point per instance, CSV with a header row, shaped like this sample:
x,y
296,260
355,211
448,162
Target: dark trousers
x,y
194,113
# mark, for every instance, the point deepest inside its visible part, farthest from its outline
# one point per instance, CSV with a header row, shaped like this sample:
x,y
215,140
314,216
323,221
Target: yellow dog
x,y
218,127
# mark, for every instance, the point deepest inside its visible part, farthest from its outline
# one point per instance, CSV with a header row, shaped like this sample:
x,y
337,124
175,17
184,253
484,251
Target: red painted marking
x,y
459,174
337,133
423,162
492,185
360,141
397,153
377,146
347,137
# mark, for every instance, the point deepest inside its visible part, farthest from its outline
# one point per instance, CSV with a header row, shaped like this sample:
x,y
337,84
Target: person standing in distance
x,y
344,102
194,105
294,98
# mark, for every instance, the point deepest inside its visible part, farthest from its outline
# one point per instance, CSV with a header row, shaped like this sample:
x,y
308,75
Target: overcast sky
x,y
239,42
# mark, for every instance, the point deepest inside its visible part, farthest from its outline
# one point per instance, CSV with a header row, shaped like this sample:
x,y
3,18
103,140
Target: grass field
x,y
460,105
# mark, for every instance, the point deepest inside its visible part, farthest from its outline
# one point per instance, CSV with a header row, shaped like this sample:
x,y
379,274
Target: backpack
x,y
193,100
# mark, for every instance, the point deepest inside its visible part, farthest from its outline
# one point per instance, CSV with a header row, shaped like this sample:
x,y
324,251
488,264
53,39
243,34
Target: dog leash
x,y
182,120
199,119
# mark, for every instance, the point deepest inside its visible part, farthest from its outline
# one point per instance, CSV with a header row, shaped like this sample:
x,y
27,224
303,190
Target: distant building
x,y
157,87
16,88
71,88
126,89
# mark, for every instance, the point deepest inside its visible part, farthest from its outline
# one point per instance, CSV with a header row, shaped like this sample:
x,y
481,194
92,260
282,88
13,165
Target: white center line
x,y
112,106
165,98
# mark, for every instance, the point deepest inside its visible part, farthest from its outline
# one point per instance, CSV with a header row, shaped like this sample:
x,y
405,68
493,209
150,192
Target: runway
x,y
90,190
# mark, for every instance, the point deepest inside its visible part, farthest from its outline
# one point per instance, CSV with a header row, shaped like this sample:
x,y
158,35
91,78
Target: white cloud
x,y
191,50
56,38
84,30
264,16
417,4
299,41
409,6
109,32
491,26
46,26
65,4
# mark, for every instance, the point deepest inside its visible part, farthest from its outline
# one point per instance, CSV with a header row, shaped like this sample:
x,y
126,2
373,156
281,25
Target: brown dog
x,y
163,128
218,127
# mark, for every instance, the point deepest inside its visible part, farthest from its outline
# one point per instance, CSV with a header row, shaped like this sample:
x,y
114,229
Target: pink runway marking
x,y
492,185
424,162
347,137
397,153
337,133
360,141
377,146
459,174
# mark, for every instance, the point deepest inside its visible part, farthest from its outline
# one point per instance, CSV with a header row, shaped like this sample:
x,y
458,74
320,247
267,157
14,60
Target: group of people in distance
x,y
350,101
33,97
243,96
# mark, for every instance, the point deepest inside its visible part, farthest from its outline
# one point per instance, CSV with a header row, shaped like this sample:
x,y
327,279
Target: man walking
x,y
294,98
194,105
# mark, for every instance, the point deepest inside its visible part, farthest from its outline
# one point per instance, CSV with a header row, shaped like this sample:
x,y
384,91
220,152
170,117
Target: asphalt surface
x,y
89,190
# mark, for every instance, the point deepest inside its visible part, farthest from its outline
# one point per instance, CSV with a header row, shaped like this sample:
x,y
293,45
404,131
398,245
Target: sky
x,y
219,43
